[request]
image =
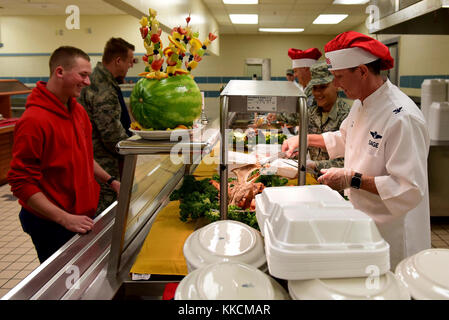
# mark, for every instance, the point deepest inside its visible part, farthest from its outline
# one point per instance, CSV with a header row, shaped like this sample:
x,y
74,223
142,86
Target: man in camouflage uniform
x,y
292,119
301,63
326,114
104,103
290,75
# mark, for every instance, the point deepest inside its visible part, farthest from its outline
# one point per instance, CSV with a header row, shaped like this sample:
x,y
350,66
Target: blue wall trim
x,y
405,82
415,82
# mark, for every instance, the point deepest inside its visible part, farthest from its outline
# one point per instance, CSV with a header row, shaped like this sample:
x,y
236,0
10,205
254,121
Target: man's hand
x,y
77,223
290,145
336,178
115,185
271,117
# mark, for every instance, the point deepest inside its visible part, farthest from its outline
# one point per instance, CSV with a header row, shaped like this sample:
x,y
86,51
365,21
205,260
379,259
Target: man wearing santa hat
x,y
302,60
385,143
301,63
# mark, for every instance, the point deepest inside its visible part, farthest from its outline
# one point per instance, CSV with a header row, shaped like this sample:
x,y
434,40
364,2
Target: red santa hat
x,y
351,49
304,58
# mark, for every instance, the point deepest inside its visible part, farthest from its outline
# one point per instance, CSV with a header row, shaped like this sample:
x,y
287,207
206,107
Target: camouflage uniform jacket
x,y
101,102
292,118
338,113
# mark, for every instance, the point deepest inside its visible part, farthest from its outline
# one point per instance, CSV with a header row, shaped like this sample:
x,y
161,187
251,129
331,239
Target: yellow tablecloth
x,y
161,252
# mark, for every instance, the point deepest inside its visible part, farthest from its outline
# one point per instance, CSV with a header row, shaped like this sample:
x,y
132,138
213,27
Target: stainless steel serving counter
x,y
96,265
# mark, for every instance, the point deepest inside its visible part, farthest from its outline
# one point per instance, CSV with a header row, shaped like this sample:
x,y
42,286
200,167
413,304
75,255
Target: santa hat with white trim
x,y
351,49
305,58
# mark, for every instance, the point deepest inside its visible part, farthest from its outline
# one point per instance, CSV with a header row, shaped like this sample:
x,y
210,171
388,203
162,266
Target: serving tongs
x,y
279,155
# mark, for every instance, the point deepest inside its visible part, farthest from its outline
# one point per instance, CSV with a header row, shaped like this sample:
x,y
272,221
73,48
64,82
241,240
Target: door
x,y
393,74
259,68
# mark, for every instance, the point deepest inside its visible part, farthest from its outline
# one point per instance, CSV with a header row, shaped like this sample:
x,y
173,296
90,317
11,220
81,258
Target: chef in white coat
x,y
385,143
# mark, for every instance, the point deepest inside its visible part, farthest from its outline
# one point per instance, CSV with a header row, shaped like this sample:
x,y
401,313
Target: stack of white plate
x,y
311,241
229,281
223,241
426,274
319,195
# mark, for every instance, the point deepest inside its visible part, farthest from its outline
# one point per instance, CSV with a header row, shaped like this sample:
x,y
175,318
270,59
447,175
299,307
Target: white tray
x,y
225,240
229,281
308,242
165,134
319,195
385,287
426,274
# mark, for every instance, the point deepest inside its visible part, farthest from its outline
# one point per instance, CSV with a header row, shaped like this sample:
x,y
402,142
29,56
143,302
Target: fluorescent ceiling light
x,y
348,2
241,1
244,18
281,29
330,18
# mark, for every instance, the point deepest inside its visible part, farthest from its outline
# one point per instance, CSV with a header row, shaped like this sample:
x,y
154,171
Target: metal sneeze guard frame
x,y
250,96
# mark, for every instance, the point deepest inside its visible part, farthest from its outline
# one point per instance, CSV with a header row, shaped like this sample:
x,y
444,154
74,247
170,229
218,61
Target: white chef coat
x,y
386,137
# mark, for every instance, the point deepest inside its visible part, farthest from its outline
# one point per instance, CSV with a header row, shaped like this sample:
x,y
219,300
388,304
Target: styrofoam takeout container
x,y
438,122
384,287
225,240
306,241
266,150
229,281
426,274
320,195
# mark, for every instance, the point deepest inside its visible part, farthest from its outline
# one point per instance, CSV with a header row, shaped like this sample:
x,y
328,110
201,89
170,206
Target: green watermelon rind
x,y
166,103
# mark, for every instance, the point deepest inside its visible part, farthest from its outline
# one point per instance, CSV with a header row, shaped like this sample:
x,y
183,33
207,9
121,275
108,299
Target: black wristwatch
x,y
356,180
110,180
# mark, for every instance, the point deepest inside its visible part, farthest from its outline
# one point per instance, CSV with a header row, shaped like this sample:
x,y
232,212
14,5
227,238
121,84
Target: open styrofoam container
x,y
262,150
229,281
225,240
319,195
426,274
384,287
305,241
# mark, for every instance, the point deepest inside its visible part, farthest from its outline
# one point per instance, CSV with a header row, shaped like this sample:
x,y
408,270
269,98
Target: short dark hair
x,y
65,56
116,47
374,66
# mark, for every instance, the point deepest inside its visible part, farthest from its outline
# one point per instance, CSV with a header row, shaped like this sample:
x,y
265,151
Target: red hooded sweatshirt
x,y
53,154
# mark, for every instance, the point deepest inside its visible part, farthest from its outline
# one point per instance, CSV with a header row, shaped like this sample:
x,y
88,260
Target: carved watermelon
x,y
166,103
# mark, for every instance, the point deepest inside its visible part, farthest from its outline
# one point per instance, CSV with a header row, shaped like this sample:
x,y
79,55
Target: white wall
x,y
419,55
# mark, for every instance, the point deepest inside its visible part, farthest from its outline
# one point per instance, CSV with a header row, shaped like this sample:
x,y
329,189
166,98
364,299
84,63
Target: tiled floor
x,y
17,254
18,257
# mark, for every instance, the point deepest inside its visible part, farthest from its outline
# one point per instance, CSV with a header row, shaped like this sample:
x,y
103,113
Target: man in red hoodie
x,y
53,171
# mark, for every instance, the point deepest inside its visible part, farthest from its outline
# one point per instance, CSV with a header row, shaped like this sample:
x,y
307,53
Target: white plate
x,y
165,134
229,281
224,240
425,274
385,287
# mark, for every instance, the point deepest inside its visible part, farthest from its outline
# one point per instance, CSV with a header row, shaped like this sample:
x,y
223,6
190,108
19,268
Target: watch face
x,y
356,180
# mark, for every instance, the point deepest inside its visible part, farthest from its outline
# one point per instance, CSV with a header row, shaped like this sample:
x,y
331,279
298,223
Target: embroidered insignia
x,y
375,135
396,111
